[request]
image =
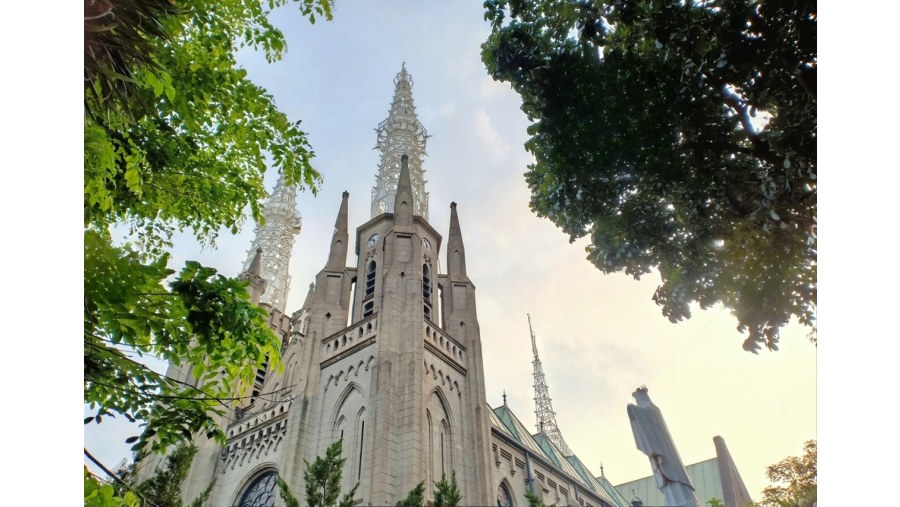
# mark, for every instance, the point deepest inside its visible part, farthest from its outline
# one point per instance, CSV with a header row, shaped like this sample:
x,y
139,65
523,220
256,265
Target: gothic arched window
x,y
260,492
504,498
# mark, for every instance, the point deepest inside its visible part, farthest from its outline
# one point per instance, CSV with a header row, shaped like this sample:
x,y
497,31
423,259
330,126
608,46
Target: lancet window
x,y
426,290
369,294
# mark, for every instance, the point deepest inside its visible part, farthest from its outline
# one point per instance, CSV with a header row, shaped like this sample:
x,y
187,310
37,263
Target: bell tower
x,y
401,385
384,355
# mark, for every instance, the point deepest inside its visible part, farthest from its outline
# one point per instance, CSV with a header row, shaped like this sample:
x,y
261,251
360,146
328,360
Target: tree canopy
x,y
794,480
678,136
176,138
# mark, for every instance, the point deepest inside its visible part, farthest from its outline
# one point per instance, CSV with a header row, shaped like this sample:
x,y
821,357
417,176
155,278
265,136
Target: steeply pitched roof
x,y
542,447
612,492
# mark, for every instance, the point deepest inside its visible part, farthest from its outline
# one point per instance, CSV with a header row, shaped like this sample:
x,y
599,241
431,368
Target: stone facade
x,y
386,355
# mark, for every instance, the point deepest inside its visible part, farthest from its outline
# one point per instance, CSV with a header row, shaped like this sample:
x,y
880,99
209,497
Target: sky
x,y
599,336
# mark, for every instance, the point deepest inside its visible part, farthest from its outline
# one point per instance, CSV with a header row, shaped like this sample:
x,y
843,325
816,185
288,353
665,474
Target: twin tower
x,y
402,385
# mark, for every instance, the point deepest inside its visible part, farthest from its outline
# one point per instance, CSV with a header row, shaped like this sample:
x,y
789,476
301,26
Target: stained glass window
x,y
504,499
260,492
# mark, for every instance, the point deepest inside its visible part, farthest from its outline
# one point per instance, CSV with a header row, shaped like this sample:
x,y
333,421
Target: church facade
x,y
384,355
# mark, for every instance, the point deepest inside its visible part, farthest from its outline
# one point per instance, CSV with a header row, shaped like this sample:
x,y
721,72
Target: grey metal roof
x,y
704,476
543,447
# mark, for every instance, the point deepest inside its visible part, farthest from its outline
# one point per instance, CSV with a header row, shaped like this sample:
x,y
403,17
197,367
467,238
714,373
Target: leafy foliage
x,y
203,321
285,492
415,498
185,148
534,500
644,138
176,137
446,493
100,494
794,480
323,480
163,489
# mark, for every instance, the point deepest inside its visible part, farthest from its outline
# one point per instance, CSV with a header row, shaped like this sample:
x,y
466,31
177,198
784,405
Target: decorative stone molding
x,y
354,369
437,372
255,437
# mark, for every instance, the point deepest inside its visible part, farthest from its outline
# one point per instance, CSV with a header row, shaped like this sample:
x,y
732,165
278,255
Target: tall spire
x,y
276,239
546,417
337,256
456,251
400,133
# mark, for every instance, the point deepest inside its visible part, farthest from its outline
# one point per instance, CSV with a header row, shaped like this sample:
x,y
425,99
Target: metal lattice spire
x,y
276,239
546,417
400,134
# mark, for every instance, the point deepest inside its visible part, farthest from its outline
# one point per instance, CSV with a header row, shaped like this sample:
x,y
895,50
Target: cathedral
x,y
384,355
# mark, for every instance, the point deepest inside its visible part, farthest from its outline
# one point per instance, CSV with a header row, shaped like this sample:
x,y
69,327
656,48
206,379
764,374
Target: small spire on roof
x,y
504,397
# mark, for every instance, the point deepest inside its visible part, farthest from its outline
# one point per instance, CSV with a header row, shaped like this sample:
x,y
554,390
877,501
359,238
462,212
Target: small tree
x,y
794,480
534,500
289,499
163,489
415,498
446,494
323,481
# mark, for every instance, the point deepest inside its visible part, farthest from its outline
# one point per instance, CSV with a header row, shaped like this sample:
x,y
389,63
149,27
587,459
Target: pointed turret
x,y
337,256
400,133
300,318
309,295
254,268
543,409
276,239
402,203
257,283
456,251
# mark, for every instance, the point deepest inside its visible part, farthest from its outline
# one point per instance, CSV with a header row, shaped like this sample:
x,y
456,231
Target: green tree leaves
x,y
415,498
446,493
202,321
323,480
644,139
794,480
185,146
176,138
99,494
163,489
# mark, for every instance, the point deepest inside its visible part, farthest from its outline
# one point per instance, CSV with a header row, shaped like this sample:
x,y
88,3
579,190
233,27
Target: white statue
x,y
652,437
